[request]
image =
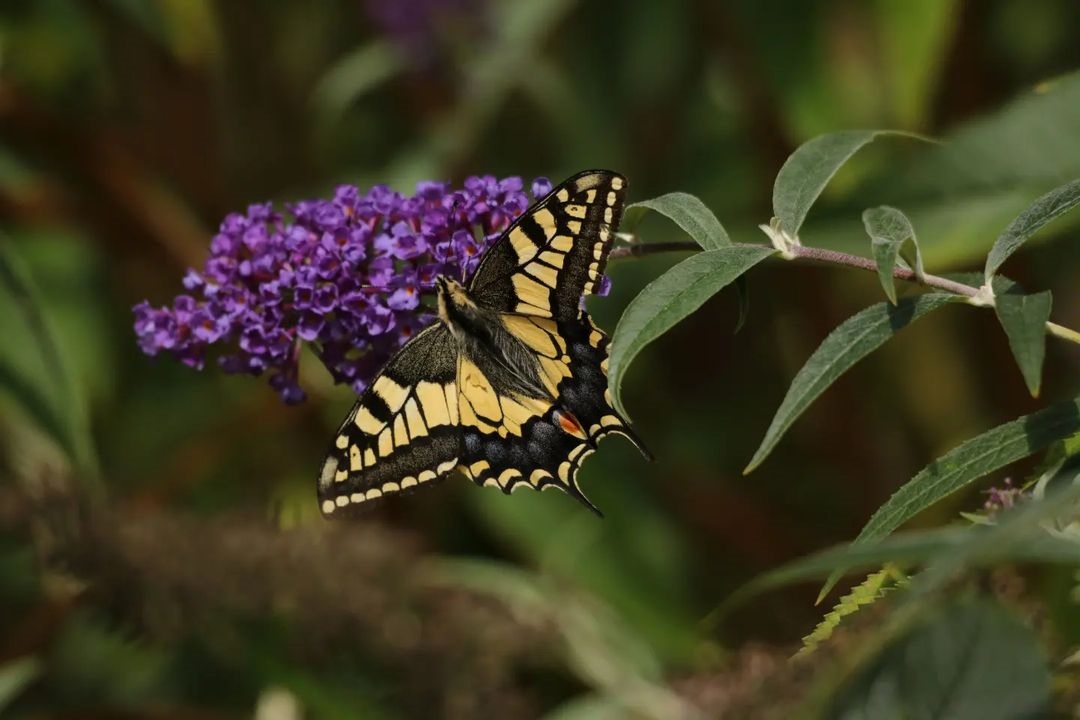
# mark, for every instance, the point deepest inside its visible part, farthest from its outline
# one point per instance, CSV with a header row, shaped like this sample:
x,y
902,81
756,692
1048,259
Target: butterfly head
x,y
455,304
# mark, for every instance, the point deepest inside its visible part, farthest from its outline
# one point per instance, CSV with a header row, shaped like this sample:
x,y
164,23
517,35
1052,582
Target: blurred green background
x,y
180,567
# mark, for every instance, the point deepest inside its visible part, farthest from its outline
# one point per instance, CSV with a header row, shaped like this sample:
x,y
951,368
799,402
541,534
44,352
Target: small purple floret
x,y
346,275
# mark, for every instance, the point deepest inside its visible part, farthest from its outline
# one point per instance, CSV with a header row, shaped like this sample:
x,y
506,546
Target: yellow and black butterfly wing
x,y
556,251
512,442
402,432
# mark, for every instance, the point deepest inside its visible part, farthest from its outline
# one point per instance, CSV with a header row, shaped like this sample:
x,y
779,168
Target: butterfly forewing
x,y
402,432
556,251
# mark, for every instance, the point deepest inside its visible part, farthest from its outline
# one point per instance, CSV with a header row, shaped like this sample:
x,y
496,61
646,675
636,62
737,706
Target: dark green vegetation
x,y
161,552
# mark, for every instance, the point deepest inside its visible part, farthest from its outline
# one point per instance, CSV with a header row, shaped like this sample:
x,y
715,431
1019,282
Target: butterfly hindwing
x,y
404,429
511,443
556,251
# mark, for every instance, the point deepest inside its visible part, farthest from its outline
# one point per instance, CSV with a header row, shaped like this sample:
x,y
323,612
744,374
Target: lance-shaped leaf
x,y
808,170
686,211
966,463
1054,203
889,231
1024,319
670,298
854,339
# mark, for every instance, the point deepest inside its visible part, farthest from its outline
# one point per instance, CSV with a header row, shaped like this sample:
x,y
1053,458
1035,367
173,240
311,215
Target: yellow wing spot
x,y
386,443
563,195
611,197
574,226
603,369
368,422
342,442
545,274
595,337
507,475
546,221
451,395
554,371
617,183
562,243
425,476
538,476
489,482
446,466
529,291
604,234
532,334
524,247
369,457
564,472
408,482
433,401
390,487
478,467
373,493
478,392
554,259
607,215
328,506
598,252
590,196
575,211
342,500
609,420
576,451
354,459
392,394
401,437
414,419
357,497
530,309
341,476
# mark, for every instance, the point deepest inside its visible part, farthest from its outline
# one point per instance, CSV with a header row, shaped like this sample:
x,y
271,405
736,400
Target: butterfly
x,y
509,386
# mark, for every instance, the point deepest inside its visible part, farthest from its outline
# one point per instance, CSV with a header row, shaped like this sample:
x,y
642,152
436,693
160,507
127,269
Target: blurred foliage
x,y
161,553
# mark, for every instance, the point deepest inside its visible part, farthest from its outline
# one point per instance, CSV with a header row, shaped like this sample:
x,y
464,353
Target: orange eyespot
x,y
569,424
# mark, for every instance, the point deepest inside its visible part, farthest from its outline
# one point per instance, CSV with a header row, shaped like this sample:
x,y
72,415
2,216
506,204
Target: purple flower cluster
x,y
345,275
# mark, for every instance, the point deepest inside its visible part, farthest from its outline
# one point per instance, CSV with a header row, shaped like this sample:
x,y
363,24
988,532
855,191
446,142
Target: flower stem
x,y
835,257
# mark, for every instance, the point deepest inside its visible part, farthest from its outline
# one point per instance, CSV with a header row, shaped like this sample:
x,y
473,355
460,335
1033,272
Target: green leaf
x,y
686,211
973,659
670,298
873,588
15,676
1024,319
1054,203
907,549
889,231
853,340
808,170
966,463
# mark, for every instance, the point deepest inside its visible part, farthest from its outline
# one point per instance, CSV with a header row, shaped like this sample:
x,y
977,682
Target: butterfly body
x,y
509,386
